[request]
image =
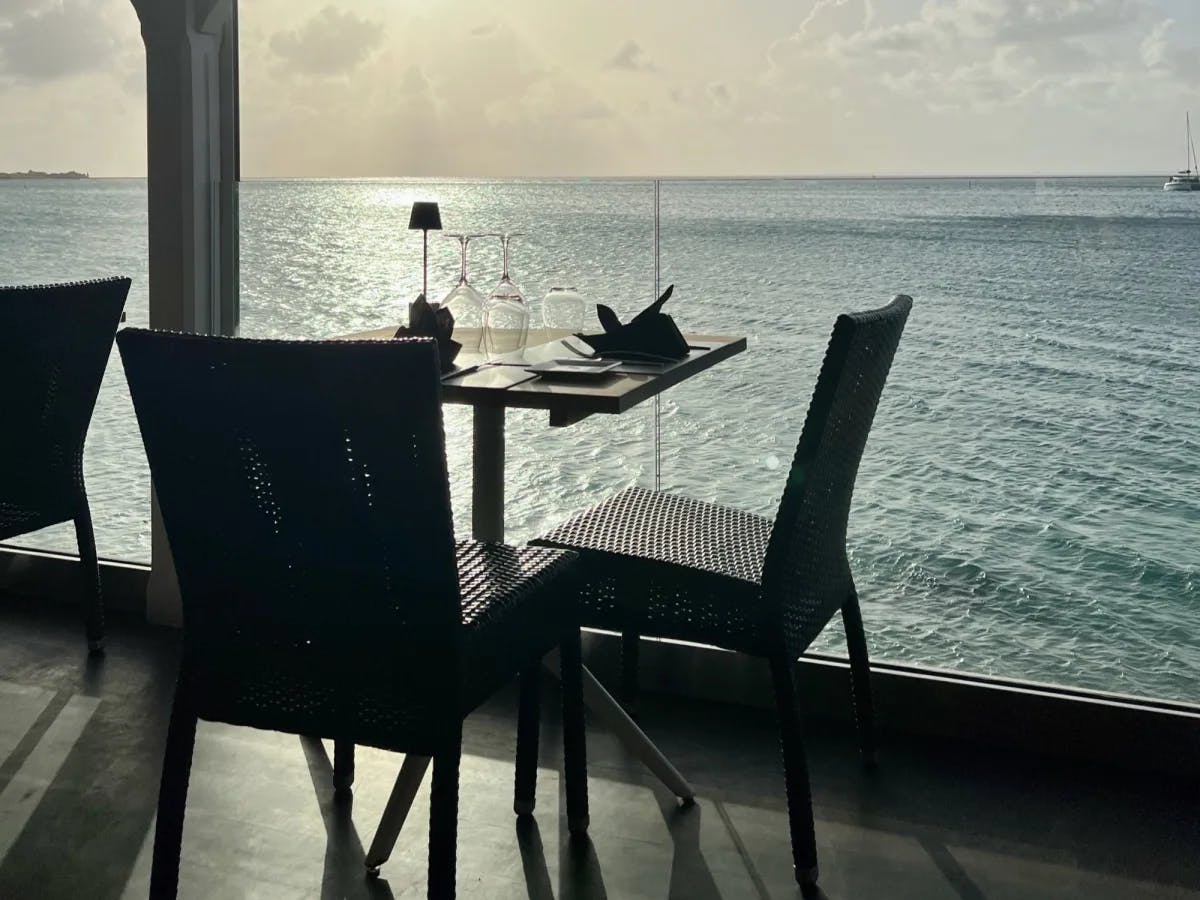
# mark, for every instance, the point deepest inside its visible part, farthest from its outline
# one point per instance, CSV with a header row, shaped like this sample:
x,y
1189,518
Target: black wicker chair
x,y
54,345
666,566
303,487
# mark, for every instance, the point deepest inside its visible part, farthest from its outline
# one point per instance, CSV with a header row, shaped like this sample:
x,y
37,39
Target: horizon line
x,y
780,177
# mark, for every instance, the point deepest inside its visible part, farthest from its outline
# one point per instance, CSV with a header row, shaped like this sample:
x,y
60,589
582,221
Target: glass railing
x,y
1027,504
1026,500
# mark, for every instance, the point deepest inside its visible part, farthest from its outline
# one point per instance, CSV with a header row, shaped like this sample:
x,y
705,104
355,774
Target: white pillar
x,y
192,175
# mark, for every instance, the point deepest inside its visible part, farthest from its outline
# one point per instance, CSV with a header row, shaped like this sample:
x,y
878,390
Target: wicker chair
x,y
303,487
657,564
54,345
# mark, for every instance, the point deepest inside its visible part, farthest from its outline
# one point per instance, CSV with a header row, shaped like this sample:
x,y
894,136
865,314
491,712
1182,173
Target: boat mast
x,y
1188,151
1195,163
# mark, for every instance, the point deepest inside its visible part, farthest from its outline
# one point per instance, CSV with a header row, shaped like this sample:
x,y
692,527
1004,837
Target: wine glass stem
x,y
504,274
464,241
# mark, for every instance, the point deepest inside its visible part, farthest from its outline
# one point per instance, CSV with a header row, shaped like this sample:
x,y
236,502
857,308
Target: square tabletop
x,y
504,381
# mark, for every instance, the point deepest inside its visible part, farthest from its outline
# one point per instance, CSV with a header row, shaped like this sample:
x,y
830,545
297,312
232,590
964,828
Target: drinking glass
x,y
563,310
465,303
506,317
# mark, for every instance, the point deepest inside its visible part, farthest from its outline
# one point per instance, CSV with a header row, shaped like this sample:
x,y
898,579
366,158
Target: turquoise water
x,y
1029,502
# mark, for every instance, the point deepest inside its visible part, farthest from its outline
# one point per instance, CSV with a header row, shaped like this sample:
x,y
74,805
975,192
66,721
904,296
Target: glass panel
x,y
321,259
67,230
1027,505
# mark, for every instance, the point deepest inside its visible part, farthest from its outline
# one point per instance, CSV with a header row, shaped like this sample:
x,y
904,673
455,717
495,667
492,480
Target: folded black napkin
x,y
651,334
435,322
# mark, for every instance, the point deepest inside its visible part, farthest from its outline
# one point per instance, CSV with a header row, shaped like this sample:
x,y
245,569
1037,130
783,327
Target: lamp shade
x,y
425,216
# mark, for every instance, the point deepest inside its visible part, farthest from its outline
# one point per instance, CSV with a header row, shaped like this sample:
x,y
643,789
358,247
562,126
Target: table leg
x,y
487,474
605,707
396,811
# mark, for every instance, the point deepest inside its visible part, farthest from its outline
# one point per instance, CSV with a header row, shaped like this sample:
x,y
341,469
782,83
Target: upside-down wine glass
x,y
465,303
562,310
506,318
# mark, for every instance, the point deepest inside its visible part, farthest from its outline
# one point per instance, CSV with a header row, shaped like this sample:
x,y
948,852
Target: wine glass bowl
x,y
506,316
465,303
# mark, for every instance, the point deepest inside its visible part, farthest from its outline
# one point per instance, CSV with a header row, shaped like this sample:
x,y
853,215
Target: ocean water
x,y
1029,502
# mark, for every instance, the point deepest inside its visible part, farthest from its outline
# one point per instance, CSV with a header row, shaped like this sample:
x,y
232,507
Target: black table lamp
x,y
427,217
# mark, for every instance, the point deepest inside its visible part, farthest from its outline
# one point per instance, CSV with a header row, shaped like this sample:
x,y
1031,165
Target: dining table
x,y
492,384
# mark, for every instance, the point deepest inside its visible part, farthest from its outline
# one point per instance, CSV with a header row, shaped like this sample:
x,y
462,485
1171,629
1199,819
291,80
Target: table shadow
x,y
345,873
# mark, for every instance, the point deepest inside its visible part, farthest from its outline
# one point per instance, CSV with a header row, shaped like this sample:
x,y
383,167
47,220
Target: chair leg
x,y
630,645
443,824
172,797
528,722
860,677
343,767
574,733
93,599
795,771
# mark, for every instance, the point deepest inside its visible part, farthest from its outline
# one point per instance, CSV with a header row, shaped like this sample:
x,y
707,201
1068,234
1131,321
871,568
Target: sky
x,y
503,88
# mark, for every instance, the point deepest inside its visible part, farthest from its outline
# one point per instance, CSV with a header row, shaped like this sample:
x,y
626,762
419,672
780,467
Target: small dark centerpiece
x,y
435,322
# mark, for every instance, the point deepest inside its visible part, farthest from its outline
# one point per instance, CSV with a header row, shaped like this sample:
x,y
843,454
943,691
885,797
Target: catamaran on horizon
x,y
1188,179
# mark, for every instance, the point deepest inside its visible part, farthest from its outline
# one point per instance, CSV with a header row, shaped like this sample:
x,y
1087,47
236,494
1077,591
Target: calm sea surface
x,y
1029,504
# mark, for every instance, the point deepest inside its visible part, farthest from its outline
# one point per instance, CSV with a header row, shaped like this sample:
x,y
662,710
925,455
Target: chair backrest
x,y
54,345
806,575
304,492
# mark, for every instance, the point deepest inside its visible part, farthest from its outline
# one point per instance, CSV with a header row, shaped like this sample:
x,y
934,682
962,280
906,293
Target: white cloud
x,y
1154,47
978,54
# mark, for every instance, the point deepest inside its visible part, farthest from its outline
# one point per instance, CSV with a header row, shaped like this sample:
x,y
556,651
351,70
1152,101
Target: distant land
x,y
32,174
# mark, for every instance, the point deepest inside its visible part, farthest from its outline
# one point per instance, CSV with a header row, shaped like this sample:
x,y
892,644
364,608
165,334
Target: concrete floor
x,y
81,744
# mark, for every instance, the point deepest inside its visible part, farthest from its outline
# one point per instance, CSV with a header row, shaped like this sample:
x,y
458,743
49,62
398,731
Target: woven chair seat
x,y
509,618
665,565
299,681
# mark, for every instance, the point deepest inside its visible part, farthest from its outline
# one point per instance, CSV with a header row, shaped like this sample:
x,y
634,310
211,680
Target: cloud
x,y
40,42
631,58
980,54
719,94
329,43
1154,47
1163,54
514,110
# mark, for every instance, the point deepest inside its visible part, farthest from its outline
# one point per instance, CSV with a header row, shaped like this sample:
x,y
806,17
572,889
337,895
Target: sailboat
x,y
1189,178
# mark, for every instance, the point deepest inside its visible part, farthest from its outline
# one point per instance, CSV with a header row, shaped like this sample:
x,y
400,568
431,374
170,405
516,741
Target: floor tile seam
x,y
743,851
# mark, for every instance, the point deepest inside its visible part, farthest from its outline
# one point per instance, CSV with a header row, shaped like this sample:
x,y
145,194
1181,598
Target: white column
x,y
192,174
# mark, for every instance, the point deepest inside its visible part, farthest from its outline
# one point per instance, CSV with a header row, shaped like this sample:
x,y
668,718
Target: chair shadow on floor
x,y
580,873
690,874
581,877
345,858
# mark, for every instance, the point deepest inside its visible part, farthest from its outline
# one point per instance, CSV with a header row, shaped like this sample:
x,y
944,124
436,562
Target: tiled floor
x,y
80,745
